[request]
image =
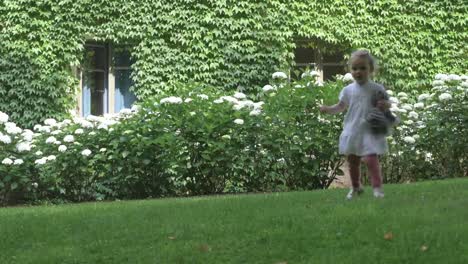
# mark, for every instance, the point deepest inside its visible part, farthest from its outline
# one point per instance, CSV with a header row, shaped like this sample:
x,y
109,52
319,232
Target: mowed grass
x,y
415,223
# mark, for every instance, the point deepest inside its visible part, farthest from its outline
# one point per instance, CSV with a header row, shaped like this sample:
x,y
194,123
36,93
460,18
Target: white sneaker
x,y
378,193
354,192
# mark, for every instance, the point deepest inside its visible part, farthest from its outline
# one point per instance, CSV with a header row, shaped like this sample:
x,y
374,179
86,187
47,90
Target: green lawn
x,y
428,223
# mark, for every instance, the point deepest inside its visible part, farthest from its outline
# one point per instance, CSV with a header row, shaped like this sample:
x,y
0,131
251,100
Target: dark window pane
x,y
122,57
95,58
304,55
329,72
334,57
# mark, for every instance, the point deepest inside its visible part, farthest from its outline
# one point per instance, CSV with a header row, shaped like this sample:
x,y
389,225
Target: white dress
x,y
357,137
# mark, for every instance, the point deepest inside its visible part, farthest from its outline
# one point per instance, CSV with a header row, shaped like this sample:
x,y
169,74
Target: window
x,y
328,64
105,80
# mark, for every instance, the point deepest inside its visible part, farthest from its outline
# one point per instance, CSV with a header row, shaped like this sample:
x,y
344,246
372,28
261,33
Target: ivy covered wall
x,y
229,44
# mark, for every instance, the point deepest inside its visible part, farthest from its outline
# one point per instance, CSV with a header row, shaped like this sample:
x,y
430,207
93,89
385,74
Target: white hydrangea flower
x,y
268,88
7,161
69,138
3,117
242,104
12,129
6,139
51,157
279,75
34,184
418,105
171,100
423,97
441,76
402,94
203,96
239,121
136,108
125,111
79,131
188,100
238,107
102,150
413,115
438,83
454,77
86,124
50,122
312,74
445,97
44,129
93,118
394,109
38,153
258,105
401,110
407,107
62,148
56,132
255,112
51,140
348,77
27,135
218,101
92,133
41,161
428,156
86,152
394,100
23,147
66,121
230,99
409,122
464,84
240,96
409,140
103,126
227,137
390,92
18,162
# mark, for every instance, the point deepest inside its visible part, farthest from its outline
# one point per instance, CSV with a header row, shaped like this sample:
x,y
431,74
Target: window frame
x,y
110,78
318,64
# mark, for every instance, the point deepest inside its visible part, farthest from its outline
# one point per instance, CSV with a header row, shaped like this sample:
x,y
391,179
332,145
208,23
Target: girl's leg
x,y
373,167
354,163
375,174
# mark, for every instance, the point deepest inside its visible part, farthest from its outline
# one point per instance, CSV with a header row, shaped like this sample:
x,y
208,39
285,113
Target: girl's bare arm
x,y
334,109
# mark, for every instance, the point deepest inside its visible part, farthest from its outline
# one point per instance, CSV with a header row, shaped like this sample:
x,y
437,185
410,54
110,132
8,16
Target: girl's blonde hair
x,y
364,54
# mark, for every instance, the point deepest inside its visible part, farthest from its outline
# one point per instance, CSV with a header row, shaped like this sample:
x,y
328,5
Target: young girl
x,y
357,140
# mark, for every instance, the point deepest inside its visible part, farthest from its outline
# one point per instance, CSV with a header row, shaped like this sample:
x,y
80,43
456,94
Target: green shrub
x,y
198,142
432,138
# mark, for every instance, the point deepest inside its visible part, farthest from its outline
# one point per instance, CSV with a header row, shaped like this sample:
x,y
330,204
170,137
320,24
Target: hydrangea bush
x,y
202,141
431,140
195,141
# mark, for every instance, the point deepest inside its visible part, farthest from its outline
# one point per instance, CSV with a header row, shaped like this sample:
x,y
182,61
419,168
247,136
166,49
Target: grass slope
x,y
415,223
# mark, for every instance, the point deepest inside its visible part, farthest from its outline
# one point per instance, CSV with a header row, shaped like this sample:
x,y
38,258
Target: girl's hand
x,y
383,105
